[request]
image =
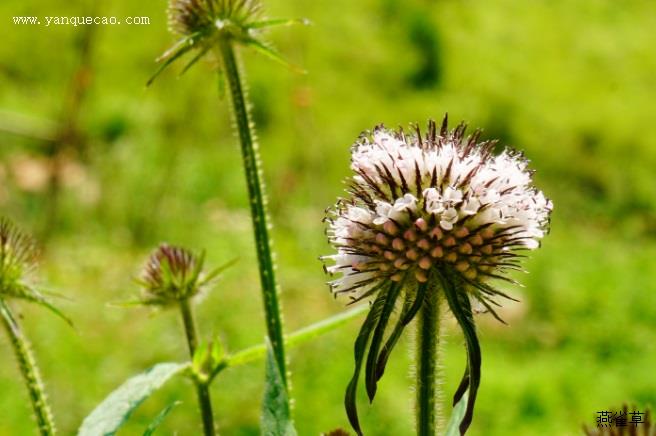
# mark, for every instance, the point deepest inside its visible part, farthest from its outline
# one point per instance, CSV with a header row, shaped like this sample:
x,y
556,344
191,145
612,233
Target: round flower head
x,y
171,274
427,216
441,201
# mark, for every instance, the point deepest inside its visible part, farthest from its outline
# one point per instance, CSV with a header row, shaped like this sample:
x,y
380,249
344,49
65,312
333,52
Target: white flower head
x,y
429,216
435,202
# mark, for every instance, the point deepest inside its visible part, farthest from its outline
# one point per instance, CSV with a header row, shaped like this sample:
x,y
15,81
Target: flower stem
x,y
426,360
256,194
202,389
30,371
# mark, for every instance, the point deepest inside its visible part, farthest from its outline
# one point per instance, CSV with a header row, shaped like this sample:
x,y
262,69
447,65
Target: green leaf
x,y
37,298
461,307
371,378
279,22
200,357
305,334
212,275
272,54
167,59
452,428
276,415
154,425
358,350
115,410
407,314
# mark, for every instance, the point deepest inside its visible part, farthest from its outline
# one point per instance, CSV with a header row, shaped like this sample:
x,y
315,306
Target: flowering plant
x,y
429,216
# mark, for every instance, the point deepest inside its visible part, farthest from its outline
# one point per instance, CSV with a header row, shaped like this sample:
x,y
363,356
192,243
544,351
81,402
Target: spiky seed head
x,y
207,17
171,274
17,260
440,201
203,24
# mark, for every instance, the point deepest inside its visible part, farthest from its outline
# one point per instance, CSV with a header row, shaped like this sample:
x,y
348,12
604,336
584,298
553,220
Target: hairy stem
x,y
426,360
202,389
30,371
245,129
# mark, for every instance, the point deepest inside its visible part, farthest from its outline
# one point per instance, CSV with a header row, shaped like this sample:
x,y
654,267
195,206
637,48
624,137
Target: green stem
x,y
426,360
30,371
256,194
305,334
202,389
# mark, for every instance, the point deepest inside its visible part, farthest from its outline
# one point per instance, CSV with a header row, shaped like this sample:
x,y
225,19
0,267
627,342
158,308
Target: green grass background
x,y
571,83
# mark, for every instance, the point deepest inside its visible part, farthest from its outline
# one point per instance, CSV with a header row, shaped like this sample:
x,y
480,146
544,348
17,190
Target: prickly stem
x,y
426,356
30,371
256,193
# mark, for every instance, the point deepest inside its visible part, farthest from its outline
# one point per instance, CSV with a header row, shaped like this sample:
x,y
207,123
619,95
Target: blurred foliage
x,y
569,83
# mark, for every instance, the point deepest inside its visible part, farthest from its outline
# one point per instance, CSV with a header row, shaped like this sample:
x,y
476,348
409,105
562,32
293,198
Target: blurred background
x,y
101,169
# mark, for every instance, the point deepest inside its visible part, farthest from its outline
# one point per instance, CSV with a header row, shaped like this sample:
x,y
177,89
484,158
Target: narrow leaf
x,y
217,271
271,53
377,339
305,334
279,22
41,300
359,349
408,313
154,425
462,387
116,408
276,415
452,428
168,61
461,308
202,52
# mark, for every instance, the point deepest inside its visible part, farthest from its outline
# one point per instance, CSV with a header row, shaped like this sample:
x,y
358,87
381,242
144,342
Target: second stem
x,y
256,199
202,389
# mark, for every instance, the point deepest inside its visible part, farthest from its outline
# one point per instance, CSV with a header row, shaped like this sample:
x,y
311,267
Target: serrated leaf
x,y
276,415
453,426
116,408
154,425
